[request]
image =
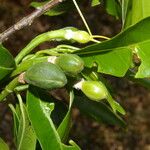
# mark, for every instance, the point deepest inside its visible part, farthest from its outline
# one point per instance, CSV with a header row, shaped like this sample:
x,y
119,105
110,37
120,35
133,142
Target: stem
x,y
67,47
96,41
26,21
82,17
9,89
111,102
58,34
15,119
48,52
65,50
57,50
21,88
23,120
14,111
100,36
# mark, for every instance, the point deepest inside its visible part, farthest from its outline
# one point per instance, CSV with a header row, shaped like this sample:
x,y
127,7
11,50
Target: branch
x,y
26,21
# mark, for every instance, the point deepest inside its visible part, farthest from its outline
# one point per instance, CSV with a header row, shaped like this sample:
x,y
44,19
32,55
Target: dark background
x,y
89,134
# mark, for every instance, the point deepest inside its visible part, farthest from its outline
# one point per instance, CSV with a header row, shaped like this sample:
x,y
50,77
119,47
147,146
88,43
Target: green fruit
x,y
26,64
94,90
81,37
45,75
71,64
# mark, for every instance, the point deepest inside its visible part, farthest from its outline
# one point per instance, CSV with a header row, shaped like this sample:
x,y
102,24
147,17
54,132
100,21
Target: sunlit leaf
x,y
143,51
117,61
45,129
95,2
3,145
135,11
114,62
39,114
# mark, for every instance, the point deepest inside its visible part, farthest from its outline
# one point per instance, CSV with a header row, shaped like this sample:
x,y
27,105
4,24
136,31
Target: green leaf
x,y
59,112
95,2
45,130
26,139
39,114
16,115
3,145
116,107
126,4
138,10
119,108
135,34
112,7
122,44
7,63
58,10
98,111
144,54
63,129
73,146
114,62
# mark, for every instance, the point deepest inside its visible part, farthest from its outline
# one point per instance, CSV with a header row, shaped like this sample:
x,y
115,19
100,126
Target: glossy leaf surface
x,y
135,34
7,63
114,62
137,10
39,114
45,130
125,4
118,60
143,51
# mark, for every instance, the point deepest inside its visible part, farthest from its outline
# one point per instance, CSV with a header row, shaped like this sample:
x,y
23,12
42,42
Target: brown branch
x,y
26,21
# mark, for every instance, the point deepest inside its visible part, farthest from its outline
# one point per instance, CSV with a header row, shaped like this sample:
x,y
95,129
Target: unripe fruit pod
x,y
94,90
45,75
81,37
71,64
26,64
